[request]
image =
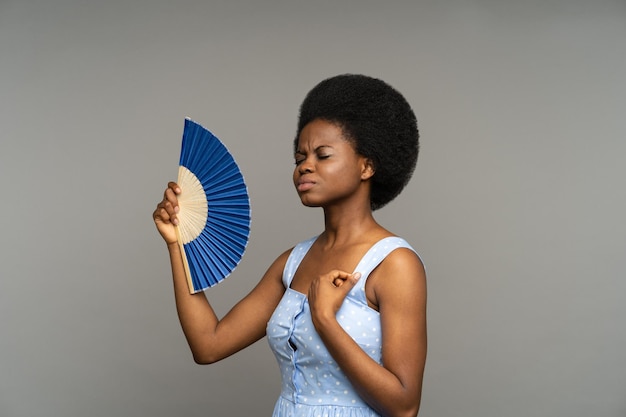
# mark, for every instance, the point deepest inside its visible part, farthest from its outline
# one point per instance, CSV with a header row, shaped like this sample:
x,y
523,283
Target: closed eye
x,y
299,158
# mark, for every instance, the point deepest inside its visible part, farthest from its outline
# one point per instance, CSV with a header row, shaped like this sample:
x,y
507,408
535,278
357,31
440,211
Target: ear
x,y
367,170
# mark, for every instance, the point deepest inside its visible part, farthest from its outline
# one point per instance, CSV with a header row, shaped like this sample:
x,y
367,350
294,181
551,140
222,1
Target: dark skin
x,y
328,174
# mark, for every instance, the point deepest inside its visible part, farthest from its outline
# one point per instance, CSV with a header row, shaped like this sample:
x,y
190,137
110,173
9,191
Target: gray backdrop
x,y
517,204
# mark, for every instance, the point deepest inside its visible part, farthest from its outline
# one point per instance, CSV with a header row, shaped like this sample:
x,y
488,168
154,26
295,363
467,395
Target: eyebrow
x,y
315,150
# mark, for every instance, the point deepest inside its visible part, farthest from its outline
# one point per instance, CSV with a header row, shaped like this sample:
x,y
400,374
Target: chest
x,y
291,329
318,262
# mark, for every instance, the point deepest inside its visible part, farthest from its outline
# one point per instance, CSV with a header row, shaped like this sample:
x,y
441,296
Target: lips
x,y
304,184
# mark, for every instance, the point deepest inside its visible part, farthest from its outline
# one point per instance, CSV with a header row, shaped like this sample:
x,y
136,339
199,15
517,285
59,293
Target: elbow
x,y
203,360
404,411
413,411
201,357
408,410
203,351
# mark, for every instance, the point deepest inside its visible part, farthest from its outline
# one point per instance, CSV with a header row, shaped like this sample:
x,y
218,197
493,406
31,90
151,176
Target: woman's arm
x,y
399,287
210,338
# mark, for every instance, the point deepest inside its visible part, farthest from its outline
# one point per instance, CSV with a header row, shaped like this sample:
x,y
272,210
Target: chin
x,y
308,203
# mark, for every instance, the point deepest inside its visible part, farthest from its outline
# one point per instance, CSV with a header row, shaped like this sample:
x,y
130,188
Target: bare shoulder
x,y
281,260
400,276
275,272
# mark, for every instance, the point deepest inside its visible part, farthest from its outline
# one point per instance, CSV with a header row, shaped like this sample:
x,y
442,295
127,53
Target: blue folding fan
x,y
214,216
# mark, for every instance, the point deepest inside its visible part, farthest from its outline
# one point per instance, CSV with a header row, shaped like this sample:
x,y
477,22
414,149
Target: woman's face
x,y
328,169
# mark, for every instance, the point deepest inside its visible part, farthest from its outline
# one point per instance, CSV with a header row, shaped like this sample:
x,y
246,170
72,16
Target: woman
x,y
345,311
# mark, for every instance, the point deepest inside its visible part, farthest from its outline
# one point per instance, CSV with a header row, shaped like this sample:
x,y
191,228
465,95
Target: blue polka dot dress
x,y
313,385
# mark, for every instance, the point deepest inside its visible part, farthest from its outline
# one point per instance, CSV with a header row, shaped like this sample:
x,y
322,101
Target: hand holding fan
x,y
214,216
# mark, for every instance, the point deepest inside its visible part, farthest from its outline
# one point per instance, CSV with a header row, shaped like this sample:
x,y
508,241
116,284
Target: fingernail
x,y
356,275
176,209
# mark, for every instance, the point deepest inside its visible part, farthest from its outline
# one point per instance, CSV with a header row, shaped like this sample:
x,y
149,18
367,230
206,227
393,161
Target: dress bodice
x,y
312,383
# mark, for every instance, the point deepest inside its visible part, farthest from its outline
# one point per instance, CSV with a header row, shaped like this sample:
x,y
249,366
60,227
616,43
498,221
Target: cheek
x,y
350,171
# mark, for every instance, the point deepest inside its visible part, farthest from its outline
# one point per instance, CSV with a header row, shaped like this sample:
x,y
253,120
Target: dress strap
x,y
374,256
294,259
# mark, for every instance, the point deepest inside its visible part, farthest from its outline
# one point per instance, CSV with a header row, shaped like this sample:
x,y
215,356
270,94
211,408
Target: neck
x,y
344,225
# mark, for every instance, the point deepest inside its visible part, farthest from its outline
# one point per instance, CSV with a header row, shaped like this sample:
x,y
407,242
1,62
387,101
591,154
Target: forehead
x,y
321,133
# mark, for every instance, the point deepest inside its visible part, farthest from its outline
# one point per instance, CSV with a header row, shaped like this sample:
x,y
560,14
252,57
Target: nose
x,y
305,166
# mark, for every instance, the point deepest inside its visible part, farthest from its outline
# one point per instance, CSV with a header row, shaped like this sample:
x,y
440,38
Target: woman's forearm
x,y
378,386
197,318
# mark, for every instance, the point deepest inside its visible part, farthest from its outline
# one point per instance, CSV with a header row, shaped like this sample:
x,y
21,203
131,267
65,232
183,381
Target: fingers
x,y
334,280
168,207
171,195
164,213
339,278
174,187
327,293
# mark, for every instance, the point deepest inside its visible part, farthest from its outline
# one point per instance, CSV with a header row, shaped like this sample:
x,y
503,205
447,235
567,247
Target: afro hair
x,y
377,119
